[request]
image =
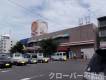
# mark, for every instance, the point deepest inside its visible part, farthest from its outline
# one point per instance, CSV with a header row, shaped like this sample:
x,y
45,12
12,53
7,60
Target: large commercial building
x,y
77,40
5,43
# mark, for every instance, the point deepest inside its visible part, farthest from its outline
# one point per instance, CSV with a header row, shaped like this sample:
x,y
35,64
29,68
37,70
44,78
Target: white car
x,y
18,59
59,56
41,58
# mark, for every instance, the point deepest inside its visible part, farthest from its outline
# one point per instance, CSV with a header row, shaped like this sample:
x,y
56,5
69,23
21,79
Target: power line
x,y
30,11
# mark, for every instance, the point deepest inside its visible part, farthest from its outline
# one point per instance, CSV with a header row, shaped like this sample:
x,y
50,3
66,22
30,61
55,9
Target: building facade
x,y
5,43
77,40
102,32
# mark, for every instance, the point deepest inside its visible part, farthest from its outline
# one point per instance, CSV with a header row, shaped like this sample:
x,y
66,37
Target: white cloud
x,y
59,14
65,13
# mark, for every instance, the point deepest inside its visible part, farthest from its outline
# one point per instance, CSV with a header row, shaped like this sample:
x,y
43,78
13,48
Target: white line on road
x,y
5,71
26,79
41,75
37,76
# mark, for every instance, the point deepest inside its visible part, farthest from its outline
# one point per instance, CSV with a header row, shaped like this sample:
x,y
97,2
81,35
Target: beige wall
x,y
83,33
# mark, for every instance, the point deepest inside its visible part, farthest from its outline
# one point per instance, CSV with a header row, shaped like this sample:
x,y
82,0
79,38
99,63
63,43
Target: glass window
x,y
34,56
26,56
103,23
64,54
60,54
17,55
40,54
102,33
57,54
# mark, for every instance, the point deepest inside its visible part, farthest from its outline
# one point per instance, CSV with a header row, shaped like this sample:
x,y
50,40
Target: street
x,y
56,70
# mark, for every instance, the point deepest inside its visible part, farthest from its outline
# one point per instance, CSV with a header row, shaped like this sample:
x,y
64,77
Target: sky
x,y
16,16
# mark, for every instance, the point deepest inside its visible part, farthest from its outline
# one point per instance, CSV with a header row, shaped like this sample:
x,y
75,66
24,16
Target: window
x,y
57,54
26,56
64,54
40,54
102,33
103,23
34,56
60,54
17,55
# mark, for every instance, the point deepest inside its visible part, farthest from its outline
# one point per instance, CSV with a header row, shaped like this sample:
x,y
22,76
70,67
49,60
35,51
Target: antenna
x,y
80,21
87,19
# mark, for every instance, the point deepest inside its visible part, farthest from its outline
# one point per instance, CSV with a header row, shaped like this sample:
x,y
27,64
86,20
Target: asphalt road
x,y
56,70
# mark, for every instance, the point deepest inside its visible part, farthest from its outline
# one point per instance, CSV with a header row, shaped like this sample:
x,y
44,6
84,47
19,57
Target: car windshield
x,y
57,54
26,56
17,55
34,56
40,54
64,54
3,57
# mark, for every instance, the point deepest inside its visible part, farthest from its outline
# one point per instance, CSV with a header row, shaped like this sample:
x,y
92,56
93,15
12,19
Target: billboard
x,y
38,28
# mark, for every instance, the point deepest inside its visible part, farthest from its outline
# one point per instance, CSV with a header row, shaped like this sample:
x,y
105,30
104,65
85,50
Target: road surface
x,y
56,70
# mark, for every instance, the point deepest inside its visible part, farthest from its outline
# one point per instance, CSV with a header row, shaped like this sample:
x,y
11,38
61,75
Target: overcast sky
x,y
16,16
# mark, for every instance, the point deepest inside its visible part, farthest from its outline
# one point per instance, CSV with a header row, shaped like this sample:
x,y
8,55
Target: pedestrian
x,y
85,57
82,56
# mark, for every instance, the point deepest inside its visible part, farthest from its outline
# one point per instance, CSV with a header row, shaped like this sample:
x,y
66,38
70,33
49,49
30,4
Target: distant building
x,y
102,32
38,28
5,43
78,39
24,41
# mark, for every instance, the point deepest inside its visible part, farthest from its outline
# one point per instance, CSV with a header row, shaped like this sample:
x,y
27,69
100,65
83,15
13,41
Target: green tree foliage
x,y
49,46
17,48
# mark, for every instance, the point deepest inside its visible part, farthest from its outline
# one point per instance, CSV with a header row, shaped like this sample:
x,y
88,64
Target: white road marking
x,y
41,75
6,71
37,76
26,79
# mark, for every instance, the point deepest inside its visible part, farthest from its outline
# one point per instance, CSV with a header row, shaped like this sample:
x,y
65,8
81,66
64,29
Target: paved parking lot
x,y
56,70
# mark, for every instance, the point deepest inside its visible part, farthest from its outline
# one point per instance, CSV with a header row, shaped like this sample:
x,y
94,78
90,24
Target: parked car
x,y
19,59
5,62
41,58
59,56
32,58
96,69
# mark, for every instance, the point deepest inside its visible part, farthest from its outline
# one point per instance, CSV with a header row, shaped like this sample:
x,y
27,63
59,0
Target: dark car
x,y
5,61
96,69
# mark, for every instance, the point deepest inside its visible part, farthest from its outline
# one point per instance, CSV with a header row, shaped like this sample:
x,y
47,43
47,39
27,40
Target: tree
x,y
17,48
49,46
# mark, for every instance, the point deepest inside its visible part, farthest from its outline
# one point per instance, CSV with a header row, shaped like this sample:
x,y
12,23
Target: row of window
x,y
102,23
102,33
